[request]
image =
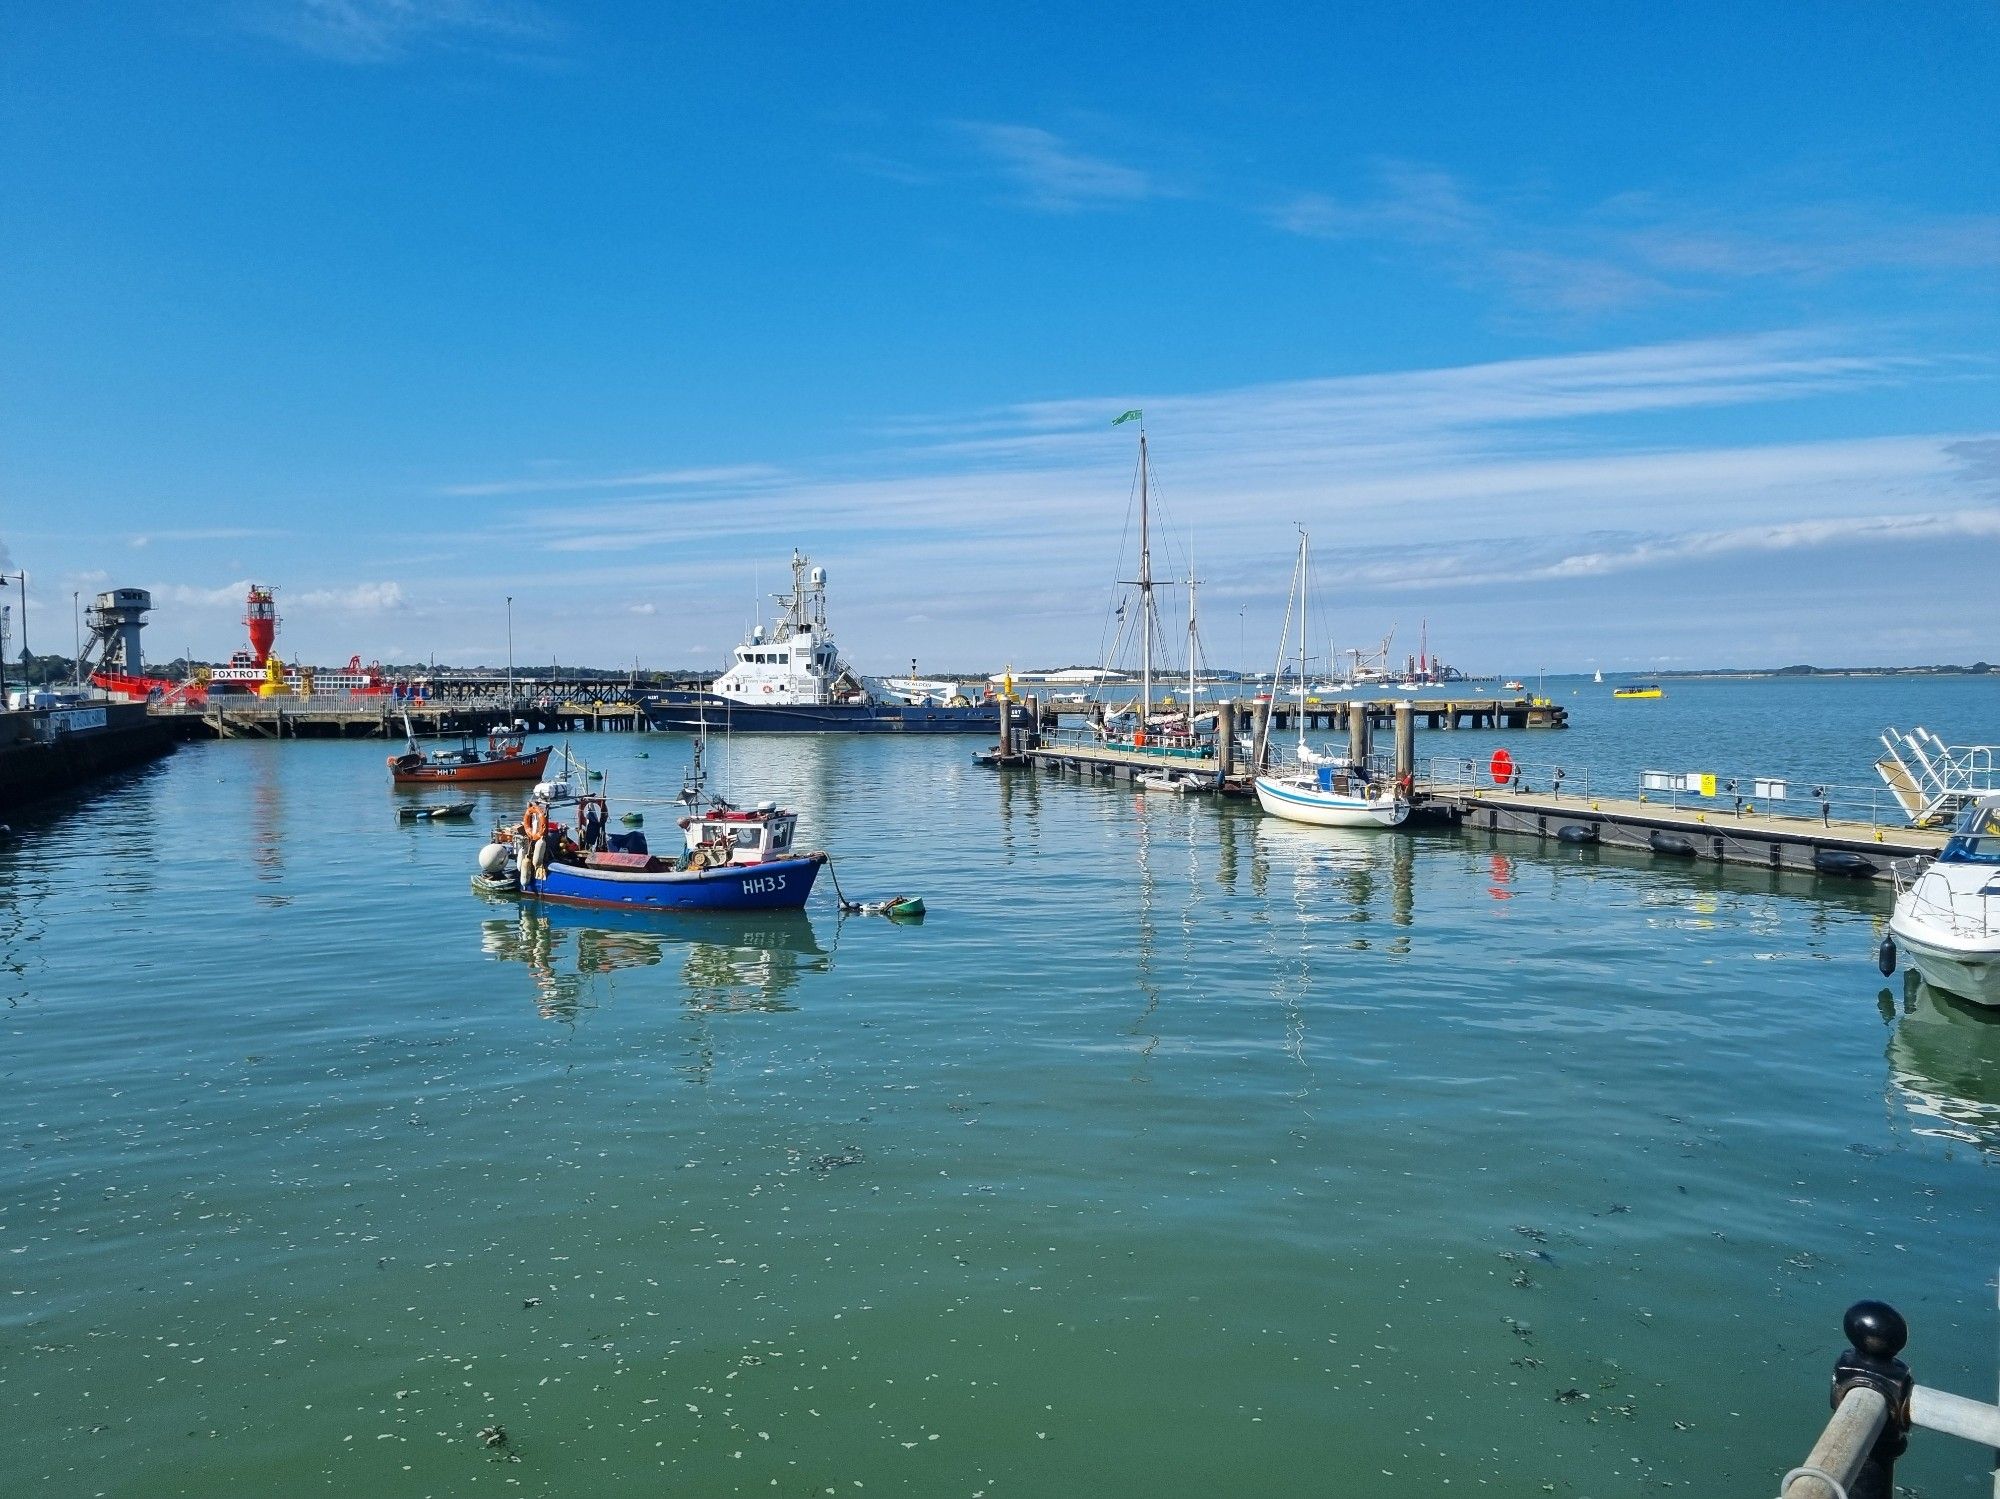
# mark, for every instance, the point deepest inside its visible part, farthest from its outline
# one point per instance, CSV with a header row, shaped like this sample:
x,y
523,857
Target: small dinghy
x,y
1167,783
443,812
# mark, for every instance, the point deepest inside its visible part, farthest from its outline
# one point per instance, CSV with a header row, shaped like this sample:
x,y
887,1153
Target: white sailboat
x,y
1326,791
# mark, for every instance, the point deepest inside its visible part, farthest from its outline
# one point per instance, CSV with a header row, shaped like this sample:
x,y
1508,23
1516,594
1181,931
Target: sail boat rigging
x,y
1328,791
1144,582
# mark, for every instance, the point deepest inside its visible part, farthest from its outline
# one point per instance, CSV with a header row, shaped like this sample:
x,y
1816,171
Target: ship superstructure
x,y
792,679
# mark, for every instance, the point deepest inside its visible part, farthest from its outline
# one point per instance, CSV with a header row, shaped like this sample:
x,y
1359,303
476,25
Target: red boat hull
x,y
522,767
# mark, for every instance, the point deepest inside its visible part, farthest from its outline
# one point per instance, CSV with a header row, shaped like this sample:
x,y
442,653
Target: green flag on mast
x,y
1130,416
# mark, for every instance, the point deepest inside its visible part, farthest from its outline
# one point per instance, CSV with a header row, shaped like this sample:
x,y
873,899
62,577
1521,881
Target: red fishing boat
x,y
505,758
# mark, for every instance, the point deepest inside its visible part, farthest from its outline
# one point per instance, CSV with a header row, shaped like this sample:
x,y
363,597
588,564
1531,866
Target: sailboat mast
x,y
1304,544
1145,594
1192,584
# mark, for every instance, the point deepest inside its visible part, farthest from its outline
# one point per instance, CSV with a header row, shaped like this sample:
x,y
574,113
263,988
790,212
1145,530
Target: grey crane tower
x,y
115,621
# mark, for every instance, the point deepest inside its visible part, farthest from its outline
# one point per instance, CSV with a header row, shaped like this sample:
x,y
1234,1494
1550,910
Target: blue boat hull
x,y
780,885
688,712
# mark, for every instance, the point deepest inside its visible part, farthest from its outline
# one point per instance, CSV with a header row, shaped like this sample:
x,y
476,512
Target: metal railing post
x,y
1855,1456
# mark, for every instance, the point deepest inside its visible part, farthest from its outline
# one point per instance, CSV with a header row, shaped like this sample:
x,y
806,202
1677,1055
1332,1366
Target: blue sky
x,y
1634,335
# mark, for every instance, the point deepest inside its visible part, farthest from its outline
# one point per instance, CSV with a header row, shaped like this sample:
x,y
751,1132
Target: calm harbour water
x,y
1177,1152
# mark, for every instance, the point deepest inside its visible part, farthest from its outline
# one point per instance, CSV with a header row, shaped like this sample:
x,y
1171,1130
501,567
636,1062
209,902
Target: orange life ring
x,y
534,821
767,686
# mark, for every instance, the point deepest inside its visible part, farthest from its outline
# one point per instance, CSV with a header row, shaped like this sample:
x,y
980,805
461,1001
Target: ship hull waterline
x,y
1325,810
526,767
691,712
778,885
1970,973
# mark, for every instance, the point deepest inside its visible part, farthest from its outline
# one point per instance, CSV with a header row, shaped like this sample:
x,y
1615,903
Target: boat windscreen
x,y
1976,840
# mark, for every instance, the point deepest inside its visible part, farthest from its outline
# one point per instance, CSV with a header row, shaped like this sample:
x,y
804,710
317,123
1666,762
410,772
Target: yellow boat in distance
x,y
1638,689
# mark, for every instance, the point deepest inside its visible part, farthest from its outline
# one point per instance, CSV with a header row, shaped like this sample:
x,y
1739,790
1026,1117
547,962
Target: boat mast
x,y
1193,583
1145,594
1304,542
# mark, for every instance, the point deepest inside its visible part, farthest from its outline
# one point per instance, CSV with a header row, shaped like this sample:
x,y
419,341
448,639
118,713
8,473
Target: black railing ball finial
x,y
1876,1329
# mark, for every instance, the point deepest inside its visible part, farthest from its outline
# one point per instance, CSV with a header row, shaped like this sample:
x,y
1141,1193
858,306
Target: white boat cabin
x,y
756,836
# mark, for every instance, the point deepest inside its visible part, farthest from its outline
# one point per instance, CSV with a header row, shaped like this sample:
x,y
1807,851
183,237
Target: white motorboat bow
x,y
1947,917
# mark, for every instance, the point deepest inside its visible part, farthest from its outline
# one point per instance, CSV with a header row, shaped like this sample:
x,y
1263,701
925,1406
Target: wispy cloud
x,y
141,540
1046,172
1506,501
1545,472
360,598
1629,249
380,31
731,474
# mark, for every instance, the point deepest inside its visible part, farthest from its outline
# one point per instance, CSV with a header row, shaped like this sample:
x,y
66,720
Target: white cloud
x,y
194,596
379,31
362,598
728,474
1048,173
1631,248
1491,498
1002,527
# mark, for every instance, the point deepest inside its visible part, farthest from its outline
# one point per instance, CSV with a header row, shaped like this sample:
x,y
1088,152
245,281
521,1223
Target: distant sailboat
x,y
1597,677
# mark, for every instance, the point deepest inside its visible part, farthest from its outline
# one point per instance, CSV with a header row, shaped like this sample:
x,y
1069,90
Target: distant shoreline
x,y
1977,669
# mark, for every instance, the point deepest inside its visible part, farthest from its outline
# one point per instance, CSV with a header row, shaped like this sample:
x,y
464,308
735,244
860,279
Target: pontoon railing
x,y
1930,779
1724,795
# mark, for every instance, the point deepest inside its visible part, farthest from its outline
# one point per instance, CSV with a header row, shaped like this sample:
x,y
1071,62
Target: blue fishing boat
x,y
735,860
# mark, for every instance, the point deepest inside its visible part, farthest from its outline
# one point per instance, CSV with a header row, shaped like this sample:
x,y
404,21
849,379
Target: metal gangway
x,y
1933,781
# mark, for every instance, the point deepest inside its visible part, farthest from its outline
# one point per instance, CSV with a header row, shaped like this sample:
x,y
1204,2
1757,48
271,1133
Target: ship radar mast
x,y
805,605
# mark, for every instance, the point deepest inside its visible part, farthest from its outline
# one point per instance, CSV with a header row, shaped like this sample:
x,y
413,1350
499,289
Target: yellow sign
x,y
1707,785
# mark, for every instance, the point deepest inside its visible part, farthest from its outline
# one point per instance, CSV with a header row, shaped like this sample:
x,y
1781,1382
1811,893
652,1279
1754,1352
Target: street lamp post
x,y
76,614
510,650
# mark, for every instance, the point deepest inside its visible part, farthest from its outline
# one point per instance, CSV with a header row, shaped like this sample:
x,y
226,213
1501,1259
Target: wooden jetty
x,y
340,716
1720,834
1038,737
1329,715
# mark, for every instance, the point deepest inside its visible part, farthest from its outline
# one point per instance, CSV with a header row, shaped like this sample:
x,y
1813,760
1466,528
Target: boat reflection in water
x,y
1944,1062
1342,874
726,962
